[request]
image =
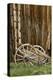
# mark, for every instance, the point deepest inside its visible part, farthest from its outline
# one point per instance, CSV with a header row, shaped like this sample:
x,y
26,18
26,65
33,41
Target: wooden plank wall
x,y
29,24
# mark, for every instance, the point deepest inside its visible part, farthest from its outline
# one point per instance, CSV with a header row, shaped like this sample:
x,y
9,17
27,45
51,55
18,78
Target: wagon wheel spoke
x,y
19,59
31,63
23,49
30,49
19,55
21,52
27,48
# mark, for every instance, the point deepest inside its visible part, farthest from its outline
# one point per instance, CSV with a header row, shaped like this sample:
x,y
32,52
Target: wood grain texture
x,y
29,24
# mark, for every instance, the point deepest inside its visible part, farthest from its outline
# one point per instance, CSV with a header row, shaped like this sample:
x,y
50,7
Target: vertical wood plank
x,y
19,24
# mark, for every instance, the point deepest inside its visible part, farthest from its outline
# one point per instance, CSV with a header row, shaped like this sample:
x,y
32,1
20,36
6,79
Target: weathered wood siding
x,y
29,24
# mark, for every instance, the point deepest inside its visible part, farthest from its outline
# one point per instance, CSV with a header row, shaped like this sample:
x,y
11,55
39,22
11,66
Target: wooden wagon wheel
x,y
31,54
26,53
43,57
